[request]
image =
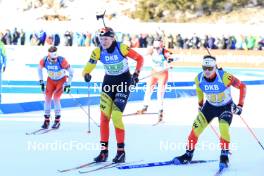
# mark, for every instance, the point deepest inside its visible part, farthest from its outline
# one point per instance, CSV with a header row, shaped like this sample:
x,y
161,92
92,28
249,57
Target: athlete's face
x,y
52,57
158,45
106,41
209,71
209,67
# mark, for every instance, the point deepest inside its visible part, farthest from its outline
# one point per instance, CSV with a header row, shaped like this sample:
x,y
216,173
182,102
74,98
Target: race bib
x,y
216,98
117,68
56,75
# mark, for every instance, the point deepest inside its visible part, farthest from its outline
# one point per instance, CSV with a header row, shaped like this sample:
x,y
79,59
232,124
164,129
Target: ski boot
x,y
102,157
143,110
183,159
120,155
56,123
224,160
46,122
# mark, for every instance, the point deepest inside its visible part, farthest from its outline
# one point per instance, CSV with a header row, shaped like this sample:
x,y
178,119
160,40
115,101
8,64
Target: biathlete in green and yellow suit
x,y
216,84
115,88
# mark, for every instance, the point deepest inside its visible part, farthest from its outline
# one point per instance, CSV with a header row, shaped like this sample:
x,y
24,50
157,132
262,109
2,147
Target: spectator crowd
x,y
172,41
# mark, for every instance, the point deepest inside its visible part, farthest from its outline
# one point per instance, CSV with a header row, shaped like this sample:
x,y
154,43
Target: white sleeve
x,y
70,71
40,73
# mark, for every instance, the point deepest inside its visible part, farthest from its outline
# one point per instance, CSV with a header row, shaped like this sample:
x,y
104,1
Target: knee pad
x,y
226,116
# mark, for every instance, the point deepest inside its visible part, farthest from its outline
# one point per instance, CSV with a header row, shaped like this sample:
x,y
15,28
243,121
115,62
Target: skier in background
x,y
2,65
216,84
59,79
114,56
161,59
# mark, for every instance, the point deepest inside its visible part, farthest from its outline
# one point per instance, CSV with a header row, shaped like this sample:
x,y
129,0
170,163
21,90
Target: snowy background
x,y
71,145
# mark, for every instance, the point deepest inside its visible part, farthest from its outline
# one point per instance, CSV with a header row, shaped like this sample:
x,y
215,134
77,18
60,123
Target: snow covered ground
x,y
71,145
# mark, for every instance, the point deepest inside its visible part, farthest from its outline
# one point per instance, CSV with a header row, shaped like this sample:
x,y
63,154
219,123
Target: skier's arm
x,y
70,71
230,80
167,55
68,67
91,64
126,51
171,58
40,67
199,92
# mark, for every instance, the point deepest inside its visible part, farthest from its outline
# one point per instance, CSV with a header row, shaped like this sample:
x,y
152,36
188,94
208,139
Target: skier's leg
x,y
147,98
106,103
50,87
203,118
57,105
225,120
119,105
161,91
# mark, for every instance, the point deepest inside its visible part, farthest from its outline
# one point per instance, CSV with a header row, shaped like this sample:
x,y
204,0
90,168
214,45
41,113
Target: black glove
x,y
67,89
4,68
42,85
87,77
236,109
134,79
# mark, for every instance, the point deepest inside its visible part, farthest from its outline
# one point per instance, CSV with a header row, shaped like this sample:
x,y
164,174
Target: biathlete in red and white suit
x,y
59,79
